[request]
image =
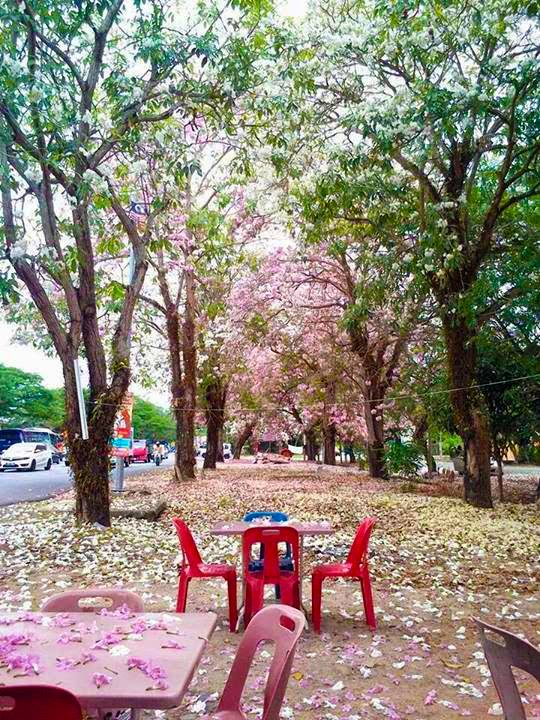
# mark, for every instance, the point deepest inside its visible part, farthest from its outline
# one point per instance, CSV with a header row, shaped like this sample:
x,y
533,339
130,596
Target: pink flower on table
x,y
100,679
66,638
17,639
152,671
106,641
136,662
62,620
24,664
173,645
155,672
123,612
139,626
87,657
159,685
63,663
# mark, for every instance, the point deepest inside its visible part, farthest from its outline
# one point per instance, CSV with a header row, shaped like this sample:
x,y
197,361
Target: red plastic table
x,y
76,651
305,529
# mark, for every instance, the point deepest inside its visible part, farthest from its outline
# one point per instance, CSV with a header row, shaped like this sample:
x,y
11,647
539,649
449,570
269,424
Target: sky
x,y
30,359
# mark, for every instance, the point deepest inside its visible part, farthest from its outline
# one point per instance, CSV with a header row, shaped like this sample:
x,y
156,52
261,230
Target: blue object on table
x,y
286,562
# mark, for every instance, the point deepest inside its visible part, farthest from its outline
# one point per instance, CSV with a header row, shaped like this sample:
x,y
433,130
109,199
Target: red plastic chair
x,y
278,623
503,653
194,567
70,601
271,573
38,702
355,567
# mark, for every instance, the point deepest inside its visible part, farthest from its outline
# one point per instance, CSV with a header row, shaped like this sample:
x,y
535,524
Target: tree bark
x,y
311,444
328,426
498,457
186,461
375,431
469,409
89,459
329,443
421,438
241,440
215,415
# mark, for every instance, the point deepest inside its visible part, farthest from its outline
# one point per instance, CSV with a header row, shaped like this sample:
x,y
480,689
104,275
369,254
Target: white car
x,y
227,451
26,456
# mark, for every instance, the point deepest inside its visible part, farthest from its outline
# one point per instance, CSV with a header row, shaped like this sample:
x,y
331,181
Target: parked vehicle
x,y
139,451
227,451
26,456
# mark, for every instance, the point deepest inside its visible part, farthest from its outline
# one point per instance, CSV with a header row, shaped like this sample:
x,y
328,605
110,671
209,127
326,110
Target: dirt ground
x,y
436,563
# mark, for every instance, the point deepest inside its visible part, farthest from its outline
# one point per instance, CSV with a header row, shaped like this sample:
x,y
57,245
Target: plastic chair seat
x,y
217,569
335,570
286,564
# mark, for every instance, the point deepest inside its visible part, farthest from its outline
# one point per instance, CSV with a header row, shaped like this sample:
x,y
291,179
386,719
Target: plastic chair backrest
x,y
278,623
358,552
502,654
273,515
112,599
42,702
188,546
269,540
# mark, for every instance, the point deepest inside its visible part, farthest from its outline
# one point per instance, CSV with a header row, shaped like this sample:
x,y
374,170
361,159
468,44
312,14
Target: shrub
x,y
403,458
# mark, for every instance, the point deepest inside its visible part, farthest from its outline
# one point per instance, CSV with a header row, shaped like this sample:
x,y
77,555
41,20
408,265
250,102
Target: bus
x,y
10,436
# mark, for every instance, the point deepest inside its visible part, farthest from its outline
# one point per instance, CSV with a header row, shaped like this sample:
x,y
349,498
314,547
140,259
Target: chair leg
x,y
257,598
247,605
233,608
316,599
365,584
288,595
183,584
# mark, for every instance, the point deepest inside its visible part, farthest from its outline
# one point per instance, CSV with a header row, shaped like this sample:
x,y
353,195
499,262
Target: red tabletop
x,y
117,660
237,527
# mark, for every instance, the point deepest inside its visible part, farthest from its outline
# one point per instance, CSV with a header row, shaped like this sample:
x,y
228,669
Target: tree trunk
x,y
215,401
220,456
498,457
375,430
189,355
328,426
421,438
241,440
329,443
311,445
89,459
183,380
469,409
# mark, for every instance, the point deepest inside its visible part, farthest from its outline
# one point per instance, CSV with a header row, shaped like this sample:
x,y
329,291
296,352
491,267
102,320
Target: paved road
x,y
18,487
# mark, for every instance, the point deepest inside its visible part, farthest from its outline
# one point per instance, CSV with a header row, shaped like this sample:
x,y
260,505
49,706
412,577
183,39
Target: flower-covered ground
x,y
435,562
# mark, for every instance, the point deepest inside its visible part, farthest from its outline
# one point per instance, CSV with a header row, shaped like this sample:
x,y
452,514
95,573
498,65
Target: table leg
x,y
301,576
241,608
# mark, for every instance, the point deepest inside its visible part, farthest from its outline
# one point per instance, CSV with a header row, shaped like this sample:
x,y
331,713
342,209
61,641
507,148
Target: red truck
x,y
139,451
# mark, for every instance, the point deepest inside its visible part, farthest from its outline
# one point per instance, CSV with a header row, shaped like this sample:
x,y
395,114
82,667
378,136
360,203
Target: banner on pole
x,y
121,443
